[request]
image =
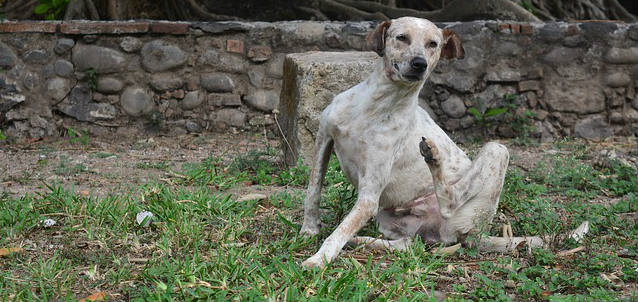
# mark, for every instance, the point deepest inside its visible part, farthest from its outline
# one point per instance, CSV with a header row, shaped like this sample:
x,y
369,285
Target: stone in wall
x,y
593,127
263,100
63,68
98,58
130,44
9,95
80,106
109,85
216,82
56,89
192,100
8,58
574,96
36,56
166,81
136,101
63,45
159,55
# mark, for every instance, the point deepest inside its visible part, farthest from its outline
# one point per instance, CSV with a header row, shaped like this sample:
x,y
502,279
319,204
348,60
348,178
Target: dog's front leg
x,y
365,208
312,219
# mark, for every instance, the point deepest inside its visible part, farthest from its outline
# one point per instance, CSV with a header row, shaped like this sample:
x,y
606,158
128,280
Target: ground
x,y
210,239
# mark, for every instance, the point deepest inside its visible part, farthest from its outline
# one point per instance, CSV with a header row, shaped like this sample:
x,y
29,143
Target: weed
x,y
52,9
3,137
91,78
520,122
75,137
527,4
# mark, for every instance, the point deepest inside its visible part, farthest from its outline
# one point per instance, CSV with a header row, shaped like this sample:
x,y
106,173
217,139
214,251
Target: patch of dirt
x,y
108,166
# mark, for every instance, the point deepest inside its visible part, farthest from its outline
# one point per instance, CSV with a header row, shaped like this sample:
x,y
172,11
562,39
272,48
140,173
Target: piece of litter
x,y
47,223
144,218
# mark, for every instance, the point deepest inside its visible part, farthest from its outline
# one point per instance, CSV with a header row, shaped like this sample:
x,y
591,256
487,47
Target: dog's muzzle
x,y
418,66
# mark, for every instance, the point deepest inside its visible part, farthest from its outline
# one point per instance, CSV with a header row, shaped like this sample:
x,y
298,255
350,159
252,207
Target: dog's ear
x,y
452,48
375,40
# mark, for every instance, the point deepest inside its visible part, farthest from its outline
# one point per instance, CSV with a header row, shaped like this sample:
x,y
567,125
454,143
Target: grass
x,y
204,245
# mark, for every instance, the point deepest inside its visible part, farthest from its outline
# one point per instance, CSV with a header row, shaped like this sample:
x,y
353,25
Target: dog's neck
x,y
387,95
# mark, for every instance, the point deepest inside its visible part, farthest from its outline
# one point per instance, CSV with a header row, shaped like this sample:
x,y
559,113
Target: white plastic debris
x,y
144,218
47,223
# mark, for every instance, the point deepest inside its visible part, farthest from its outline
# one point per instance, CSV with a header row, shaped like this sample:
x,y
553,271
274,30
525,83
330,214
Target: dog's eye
x,y
402,38
432,44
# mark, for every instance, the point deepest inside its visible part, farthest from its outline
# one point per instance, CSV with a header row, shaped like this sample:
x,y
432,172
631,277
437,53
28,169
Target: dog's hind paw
x,y
314,261
308,231
428,150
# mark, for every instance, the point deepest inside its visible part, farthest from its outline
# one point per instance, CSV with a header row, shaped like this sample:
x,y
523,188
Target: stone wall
x,y
127,78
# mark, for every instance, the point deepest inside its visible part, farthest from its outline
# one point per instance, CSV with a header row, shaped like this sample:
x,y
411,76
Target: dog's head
x,y
411,47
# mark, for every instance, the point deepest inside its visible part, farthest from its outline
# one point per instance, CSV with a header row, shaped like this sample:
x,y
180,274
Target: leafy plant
x,y
91,78
527,4
3,137
82,138
52,9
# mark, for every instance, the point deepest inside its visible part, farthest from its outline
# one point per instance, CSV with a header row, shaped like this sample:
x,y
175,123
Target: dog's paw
x,y
314,261
428,150
309,231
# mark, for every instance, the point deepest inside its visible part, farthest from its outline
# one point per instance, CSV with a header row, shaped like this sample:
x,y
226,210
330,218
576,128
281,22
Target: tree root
x,y
458,10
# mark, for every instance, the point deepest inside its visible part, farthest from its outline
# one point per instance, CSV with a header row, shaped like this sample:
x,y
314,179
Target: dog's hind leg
x,y
469,200
469,203
312,220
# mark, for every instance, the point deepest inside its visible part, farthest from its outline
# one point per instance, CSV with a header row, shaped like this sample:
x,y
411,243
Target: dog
x,y
409,174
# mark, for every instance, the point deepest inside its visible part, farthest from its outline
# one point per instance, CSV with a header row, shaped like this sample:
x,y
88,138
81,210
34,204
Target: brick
x,y
236,46
28,27
504,28
259,53
516,28
173,28
116,28
527,29
528,86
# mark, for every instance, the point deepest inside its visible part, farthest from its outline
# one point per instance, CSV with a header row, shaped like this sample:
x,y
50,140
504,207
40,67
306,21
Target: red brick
x,y
84,28
28,27
516,28
173,28
527,29
236,46
504,28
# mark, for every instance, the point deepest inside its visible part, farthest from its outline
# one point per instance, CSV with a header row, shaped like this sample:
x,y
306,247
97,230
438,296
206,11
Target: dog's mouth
x,y
413,77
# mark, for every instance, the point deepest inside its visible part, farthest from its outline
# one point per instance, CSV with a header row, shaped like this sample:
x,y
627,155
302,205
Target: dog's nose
x,y
419,64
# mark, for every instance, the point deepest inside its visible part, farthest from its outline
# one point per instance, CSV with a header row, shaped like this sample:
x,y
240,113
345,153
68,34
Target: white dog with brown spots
x,y
381,138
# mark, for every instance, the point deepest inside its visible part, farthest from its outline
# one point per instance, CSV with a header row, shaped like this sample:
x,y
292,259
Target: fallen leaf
x,y
253,196
99,296
8,251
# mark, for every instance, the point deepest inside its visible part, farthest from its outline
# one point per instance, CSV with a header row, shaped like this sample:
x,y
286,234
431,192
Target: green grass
x,y
204,245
